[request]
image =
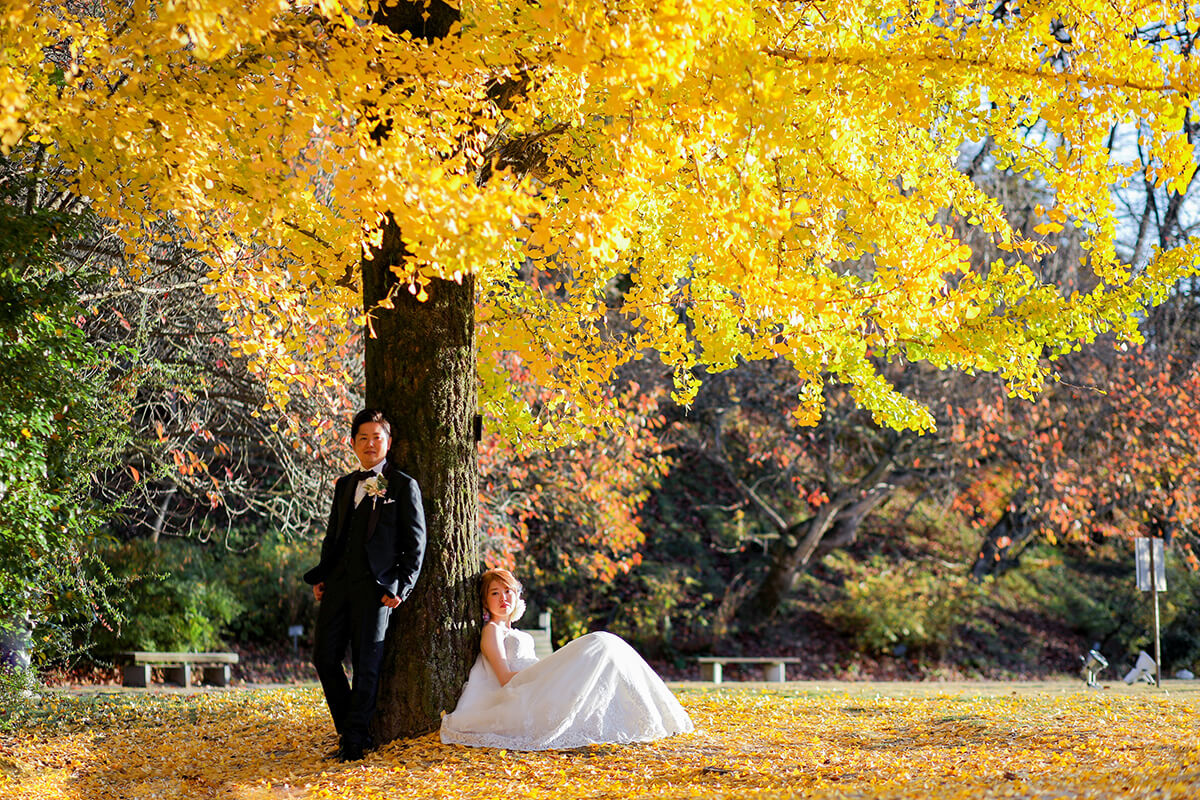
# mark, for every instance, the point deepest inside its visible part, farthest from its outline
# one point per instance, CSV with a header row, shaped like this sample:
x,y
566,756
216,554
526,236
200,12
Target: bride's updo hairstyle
x,y
509,580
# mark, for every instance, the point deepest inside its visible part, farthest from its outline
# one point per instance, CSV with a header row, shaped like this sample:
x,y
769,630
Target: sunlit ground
x,y
804,740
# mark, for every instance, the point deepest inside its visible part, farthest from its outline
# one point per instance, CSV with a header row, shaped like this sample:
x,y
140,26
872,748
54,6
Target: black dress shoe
x,y
350,752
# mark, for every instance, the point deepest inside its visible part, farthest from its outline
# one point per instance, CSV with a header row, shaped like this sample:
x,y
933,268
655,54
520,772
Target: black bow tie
x,y
363,474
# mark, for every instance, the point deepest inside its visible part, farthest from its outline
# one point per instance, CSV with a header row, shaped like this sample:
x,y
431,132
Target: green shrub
x,y
184,594
1093,591
173,597
886,605
268,580
18,681
17,687
63,418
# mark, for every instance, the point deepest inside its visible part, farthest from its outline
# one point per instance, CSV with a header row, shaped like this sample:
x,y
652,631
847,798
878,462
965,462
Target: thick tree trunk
x,y
844,531
420,369
1001,548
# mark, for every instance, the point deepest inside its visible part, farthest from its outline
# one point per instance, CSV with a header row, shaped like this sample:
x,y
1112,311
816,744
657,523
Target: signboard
x,y
1143,557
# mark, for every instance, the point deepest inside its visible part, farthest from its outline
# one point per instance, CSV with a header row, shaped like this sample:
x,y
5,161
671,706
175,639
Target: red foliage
x,y
574,508
1114,455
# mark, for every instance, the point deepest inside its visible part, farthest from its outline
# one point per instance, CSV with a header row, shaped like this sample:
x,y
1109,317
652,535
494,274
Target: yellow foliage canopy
x,y
711,181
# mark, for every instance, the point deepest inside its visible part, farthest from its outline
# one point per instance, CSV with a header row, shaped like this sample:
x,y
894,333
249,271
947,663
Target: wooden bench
x,y
177,667
774,669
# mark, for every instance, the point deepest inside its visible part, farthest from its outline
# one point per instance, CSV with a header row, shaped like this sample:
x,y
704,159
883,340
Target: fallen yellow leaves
x,y
750,742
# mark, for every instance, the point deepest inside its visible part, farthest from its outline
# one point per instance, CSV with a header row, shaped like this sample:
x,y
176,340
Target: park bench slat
x,y
744,660
150,657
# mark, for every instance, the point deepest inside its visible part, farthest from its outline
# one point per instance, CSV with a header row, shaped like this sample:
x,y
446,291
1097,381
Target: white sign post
x,y
1152,577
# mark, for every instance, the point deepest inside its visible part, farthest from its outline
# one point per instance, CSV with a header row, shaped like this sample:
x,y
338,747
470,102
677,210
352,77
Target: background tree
x,y
1086,464
157,428
569,520
799,492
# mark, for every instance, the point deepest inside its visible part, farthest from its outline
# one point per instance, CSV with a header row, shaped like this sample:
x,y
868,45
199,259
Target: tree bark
x,y
789,558
844,531
1003,544
420,370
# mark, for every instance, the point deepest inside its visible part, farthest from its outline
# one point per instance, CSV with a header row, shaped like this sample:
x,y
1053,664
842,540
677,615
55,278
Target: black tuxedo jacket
x,y
395,533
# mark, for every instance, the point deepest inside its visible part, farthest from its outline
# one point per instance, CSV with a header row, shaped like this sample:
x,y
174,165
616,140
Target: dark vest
x,y
353,562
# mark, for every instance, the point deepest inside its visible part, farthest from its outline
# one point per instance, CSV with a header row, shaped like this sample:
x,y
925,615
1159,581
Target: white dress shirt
x,y
360,491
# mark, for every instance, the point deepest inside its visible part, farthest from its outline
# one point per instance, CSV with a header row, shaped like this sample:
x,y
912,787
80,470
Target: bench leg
x,y
181,675
216,676
710,672
774,673
137,675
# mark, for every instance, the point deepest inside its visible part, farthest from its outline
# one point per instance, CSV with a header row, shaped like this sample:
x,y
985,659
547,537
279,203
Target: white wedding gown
x,y
595,689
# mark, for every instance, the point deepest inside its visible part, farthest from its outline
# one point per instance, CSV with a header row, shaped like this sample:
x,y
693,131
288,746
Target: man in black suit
x,y
370,559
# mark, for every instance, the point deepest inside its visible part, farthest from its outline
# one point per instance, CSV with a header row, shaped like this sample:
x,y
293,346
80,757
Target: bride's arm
x,y
492,647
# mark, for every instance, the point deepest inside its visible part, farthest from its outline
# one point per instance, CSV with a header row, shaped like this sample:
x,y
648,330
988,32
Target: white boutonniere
x,y
375,487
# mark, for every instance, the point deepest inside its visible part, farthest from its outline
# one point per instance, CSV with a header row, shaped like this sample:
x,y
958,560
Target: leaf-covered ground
x,y
750,742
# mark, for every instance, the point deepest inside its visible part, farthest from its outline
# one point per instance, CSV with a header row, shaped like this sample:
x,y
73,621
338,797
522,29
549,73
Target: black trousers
x,y
350,614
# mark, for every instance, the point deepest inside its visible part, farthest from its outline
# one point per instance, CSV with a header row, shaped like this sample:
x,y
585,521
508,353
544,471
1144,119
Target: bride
x,y
595,689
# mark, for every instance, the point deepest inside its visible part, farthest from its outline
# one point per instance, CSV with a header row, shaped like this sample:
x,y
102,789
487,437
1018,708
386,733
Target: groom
x,y
370,558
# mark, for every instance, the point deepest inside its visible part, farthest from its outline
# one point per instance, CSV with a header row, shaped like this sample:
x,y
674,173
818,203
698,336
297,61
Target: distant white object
x,y
543,645
1143,669
1185,675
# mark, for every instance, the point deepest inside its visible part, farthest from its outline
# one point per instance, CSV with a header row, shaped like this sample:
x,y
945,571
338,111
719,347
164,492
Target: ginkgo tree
x,y
579,184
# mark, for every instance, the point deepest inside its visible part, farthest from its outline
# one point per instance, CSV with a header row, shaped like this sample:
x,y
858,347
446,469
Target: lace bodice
x,y
519,650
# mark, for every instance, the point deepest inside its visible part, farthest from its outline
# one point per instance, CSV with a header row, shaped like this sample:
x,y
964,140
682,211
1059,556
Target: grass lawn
x,y
1044,740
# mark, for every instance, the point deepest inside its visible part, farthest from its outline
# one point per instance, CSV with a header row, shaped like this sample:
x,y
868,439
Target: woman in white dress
x,y
595,689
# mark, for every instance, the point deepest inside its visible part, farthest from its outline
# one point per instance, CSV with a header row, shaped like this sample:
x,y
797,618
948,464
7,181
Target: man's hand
x,y
390,601
319,590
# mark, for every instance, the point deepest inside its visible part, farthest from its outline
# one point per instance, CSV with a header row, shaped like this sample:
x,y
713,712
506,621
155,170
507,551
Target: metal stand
x,y
1157,639
1093,664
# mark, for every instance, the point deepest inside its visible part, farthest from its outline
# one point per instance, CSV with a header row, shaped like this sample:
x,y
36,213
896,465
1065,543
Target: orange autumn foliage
x,y
1114,453
572,509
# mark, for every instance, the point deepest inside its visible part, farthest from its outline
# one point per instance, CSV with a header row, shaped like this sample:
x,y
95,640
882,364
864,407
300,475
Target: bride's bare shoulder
x,y
491,638
494,628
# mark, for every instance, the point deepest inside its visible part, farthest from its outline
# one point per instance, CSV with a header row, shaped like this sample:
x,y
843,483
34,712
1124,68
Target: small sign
x,y
295,630
1142,557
